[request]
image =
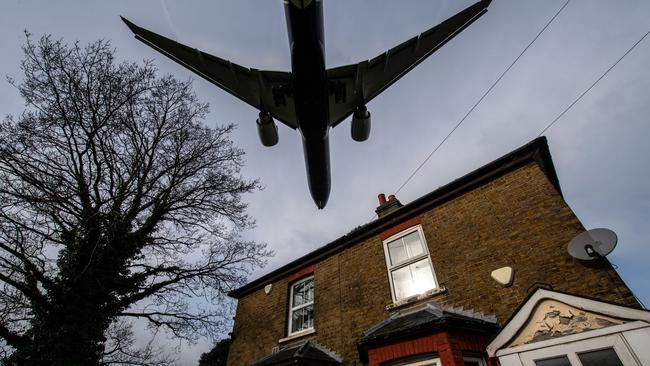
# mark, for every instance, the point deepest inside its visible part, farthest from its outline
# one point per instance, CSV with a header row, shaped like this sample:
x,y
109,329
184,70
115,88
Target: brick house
x,y
414,286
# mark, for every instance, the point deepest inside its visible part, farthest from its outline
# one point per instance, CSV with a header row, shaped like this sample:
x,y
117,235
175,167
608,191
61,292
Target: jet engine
x,y
360,124
267,130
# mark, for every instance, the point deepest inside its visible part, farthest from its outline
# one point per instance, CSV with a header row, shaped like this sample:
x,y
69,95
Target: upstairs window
x,y
409,265
301,307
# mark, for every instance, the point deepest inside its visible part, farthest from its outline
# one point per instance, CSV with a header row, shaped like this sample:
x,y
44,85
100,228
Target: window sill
x,y
297,335
415,298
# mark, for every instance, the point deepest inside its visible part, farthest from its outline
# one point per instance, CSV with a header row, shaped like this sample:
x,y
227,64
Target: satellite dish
x,y
592,244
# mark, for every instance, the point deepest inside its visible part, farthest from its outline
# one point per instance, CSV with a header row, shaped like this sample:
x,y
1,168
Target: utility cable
x,y
592,85
611,275
615,267
481,99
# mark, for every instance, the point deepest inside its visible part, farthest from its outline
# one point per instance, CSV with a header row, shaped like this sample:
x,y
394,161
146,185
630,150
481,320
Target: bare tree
x,y
120,348
115,203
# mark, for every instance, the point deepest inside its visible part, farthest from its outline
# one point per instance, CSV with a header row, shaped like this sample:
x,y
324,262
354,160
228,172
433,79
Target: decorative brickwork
x,y
450,347
517,219
400,227
301,273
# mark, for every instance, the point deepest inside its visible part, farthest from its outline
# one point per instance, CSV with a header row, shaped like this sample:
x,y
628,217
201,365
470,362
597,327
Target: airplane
x,y
312,98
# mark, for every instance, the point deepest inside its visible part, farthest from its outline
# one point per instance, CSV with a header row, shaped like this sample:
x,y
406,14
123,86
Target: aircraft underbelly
x,y
310,90
317,163
305,28
312,112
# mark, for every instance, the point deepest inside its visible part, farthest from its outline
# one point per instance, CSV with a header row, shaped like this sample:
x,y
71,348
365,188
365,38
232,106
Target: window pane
x,y
402,283
303,293
413,279
302,319
422,276
309,290
414,244
397,251
555,361
603,357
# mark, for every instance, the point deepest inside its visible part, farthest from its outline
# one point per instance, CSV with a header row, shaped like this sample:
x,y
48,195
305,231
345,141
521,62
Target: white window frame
x,y
390,268
479,360
292,308
429,362
435,361
571,351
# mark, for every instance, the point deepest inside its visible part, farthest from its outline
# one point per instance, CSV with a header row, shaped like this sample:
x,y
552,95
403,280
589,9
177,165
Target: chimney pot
x,y
382,199
386,207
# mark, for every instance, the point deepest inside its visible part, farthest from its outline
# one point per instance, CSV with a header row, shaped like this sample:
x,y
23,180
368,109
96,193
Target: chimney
x,y
385,207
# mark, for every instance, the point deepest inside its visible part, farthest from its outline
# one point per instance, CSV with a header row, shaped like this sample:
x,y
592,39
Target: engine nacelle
x,y
360,124
267,130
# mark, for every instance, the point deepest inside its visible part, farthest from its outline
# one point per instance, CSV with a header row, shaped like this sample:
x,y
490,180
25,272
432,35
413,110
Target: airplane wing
x,y
265,90
355,85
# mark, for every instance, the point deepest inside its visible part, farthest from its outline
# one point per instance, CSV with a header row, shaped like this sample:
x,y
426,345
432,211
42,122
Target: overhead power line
x,y
592,85
481,98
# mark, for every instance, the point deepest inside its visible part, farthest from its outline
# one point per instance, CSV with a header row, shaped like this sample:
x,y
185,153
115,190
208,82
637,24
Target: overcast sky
x,y
599,147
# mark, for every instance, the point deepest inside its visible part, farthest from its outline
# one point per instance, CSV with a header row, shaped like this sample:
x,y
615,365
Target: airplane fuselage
x,y
307,46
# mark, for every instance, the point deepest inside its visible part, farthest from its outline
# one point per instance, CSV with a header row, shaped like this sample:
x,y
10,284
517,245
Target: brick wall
x,y
516,220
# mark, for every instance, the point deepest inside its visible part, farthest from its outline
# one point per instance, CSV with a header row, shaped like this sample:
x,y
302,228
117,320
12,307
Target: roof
x,y
423,319
535,151
308,353
521,316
